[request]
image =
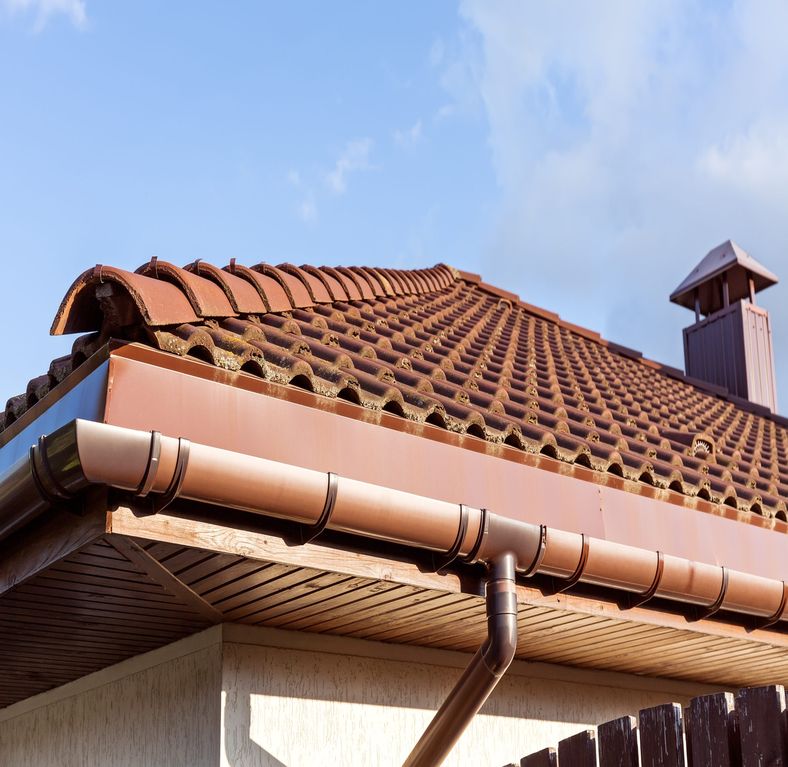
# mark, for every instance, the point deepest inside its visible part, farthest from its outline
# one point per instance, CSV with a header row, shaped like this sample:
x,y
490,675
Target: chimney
x,y
730,344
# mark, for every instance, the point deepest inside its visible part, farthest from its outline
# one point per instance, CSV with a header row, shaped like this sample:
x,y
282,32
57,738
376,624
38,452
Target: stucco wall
x,y
165,715
300,707
241,697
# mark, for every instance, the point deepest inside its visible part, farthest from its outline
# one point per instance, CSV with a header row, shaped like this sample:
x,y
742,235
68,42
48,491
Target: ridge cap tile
x,y
206,297
242,295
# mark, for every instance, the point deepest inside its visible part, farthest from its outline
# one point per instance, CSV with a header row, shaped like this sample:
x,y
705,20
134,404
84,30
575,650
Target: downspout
x,y
482,674
156,470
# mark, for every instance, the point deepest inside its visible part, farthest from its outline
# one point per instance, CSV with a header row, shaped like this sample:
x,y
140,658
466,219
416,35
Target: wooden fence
x,y
720,730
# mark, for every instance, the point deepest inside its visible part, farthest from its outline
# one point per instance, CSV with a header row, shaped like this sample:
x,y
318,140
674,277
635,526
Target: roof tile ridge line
x,y
620,349
440,273
318,273
295,271
452,273
313,278
269,270
401,288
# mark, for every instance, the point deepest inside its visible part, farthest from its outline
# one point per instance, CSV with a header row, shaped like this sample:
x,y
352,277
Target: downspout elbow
x,y
499,649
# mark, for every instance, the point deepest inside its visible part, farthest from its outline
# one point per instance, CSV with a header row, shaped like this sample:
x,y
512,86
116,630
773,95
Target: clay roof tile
x,y
442,348
87,302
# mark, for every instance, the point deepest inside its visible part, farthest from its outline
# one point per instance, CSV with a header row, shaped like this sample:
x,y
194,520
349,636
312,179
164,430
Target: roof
x,y
739,265
440,346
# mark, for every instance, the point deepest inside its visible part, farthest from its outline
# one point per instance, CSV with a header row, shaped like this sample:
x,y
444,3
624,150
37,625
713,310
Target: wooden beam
x,y
227,539
157,572
168,527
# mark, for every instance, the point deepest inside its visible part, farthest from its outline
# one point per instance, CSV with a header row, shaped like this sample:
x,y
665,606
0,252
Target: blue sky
x,y
585,156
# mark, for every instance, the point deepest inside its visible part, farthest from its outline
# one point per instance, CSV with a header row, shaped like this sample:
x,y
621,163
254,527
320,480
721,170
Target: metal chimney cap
x,y
727,258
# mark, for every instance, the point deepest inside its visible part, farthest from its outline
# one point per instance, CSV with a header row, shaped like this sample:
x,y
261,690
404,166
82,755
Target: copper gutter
x,y
158,469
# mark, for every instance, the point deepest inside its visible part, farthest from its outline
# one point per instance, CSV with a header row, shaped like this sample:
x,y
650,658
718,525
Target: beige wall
x,y
240,697
303,707
162,715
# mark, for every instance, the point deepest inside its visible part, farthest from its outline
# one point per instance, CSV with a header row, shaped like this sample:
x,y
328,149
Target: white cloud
x,y
409,136
458,64
354,157
74,10
306,209
756,160
627,139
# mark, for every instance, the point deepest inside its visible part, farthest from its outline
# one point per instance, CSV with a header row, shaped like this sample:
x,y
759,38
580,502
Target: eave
x,y
341,585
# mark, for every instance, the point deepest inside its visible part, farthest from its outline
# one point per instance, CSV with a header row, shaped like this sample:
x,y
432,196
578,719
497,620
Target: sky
x,y
583,155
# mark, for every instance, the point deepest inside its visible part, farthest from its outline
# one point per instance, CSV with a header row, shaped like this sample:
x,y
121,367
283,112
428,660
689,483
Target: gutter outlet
x,y
483,672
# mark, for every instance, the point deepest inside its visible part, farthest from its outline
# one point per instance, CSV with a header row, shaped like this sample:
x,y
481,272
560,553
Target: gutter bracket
x,y
636,600
540,552
559,587
46,484
440,564
161,502
308,533
484,529
713,608
777,614
152,469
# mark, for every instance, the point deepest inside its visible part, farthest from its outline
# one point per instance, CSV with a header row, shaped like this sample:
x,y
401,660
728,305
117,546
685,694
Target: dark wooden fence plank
x,y
712,732
750,730
762,727
618,743
579,750
544,758
661,739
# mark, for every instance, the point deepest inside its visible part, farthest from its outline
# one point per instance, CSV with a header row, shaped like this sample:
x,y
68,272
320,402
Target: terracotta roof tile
x,y
206,297
105,294
242,294
440,346
318,292
296,290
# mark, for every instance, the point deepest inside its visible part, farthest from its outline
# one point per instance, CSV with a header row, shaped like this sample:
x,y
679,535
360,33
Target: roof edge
x,y
156,469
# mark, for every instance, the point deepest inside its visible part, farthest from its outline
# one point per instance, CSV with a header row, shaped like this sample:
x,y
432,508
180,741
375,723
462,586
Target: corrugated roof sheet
x,y
440,346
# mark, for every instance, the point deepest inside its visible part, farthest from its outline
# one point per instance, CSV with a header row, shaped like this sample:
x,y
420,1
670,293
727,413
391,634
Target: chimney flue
x,y
730,344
